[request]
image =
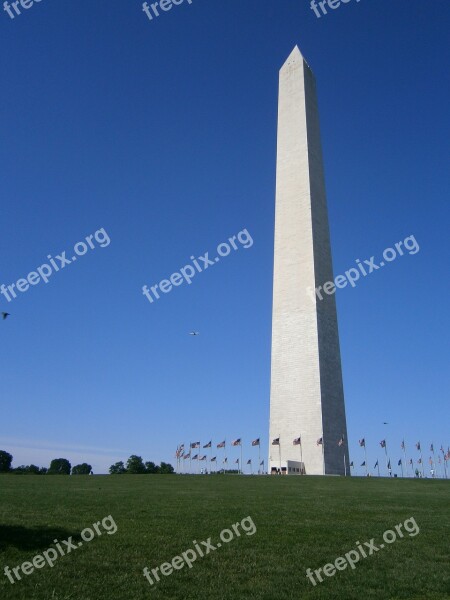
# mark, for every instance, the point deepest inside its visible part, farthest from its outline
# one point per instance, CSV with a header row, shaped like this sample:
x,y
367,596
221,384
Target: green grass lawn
x,y
300,522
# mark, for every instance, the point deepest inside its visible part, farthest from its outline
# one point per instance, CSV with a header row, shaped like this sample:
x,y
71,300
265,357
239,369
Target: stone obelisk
x,y
306,397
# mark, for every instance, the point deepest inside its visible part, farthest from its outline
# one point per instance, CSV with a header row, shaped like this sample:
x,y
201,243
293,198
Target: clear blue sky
x,y
163,133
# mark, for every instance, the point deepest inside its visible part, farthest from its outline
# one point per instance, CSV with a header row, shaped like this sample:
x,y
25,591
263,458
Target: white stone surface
x,y
306,396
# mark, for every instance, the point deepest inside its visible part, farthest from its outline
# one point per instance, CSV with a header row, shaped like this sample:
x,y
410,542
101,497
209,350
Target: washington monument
x,y
306,396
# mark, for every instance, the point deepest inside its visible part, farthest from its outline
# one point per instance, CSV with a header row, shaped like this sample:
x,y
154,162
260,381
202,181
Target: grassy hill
x,y
301,523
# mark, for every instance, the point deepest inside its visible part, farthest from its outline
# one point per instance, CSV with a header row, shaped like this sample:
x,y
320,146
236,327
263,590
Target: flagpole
x,y
259,455
323,453
406,460
190,458
434,463
279,450
421,459
365,454
401,466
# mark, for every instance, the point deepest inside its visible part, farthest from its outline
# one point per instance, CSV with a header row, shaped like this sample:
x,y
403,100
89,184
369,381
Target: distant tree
x,y
43,471
135,465
5,461
27,470
151,468
59,466
83,469
166,469
117,469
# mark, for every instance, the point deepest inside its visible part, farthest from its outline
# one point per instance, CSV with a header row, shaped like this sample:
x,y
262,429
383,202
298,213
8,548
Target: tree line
x,y
61,466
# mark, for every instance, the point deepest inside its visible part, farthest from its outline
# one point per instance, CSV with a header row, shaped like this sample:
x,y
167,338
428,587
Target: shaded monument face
x,y
306,398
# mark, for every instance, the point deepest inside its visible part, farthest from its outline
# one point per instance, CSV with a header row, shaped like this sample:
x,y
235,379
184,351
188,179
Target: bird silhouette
x,y
5,314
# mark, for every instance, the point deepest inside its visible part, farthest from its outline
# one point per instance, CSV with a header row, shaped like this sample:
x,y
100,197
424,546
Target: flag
x,y
195,445
202,457
298,441
237,461
225,460
410,461
208,445
364,464
447,456
383,443
376,465
236,442
261,463
188,455
276,442
213,459
362,443
431,460
442,449
431,448
221,445
418,445
351,464
181,446
256,442
389,464
403,445
419,462
195,457
341,441
249,462
319,442
399,462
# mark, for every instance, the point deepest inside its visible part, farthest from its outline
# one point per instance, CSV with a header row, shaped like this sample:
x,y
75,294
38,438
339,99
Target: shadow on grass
x,y
31,538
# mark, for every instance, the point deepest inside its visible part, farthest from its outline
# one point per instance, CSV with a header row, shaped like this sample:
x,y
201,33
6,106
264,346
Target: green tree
x,y
5,461
151,468
27,470
59,466
166,469
117,468
135,465
83,469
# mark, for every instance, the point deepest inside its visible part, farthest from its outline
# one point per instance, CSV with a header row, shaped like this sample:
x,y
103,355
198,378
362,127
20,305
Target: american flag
x,y
419,461
399,462
236,461
221,445
418,445
431,448
363,464
249,462
403,445
195,444
261,463
362,443
383,443
236,442
188,455
202,457
195,457
410,461
208,445
376,465
225,460
276,442
255,442
297,441
213,459
320,442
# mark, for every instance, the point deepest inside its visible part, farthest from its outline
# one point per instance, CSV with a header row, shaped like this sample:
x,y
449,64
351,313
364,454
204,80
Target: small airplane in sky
x,y
194,333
